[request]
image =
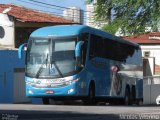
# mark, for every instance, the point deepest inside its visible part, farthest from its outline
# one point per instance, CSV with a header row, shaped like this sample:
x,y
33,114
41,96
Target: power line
x,y
54,5
48,7
70,14
38,4
74,16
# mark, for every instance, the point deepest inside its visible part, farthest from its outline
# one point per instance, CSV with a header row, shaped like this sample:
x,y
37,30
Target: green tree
x,y
131,16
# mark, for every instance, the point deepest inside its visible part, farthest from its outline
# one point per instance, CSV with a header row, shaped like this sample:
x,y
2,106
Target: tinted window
x,y
96,46
84,37
106,48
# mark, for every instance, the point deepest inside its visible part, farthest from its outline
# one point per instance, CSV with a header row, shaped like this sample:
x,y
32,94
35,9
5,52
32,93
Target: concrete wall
x,y
151,89
19,86
8,62
148,66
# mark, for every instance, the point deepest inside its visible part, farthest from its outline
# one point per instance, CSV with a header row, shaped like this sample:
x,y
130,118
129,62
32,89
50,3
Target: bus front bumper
x,y
69,90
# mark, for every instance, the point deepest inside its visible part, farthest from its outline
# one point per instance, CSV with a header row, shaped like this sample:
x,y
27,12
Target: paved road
x,y
75,112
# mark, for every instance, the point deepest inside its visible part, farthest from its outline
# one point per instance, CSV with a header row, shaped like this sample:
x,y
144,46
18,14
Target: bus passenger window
x,y
84,52
84,37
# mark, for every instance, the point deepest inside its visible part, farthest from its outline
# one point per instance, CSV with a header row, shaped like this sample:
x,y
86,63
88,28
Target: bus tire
x,y
45,101
127,97
91,95
133,95
139,102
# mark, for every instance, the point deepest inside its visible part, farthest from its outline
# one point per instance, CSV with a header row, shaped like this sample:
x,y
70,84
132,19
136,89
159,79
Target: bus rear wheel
x,y
127,100
45,101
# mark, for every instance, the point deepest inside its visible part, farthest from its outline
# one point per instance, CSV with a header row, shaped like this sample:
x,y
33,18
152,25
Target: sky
x,y
53,9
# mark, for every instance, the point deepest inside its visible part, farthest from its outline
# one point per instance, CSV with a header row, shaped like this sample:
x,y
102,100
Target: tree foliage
x,y
131,16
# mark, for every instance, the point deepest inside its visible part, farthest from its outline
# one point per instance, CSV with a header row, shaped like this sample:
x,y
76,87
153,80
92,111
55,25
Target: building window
x,y
2,32
147,54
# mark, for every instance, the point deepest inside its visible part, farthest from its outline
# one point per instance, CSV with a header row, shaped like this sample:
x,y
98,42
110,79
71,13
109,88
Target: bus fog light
x,y
70,91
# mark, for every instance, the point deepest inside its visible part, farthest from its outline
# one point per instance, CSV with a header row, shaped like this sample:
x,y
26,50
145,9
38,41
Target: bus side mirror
x,y
78,49
21,47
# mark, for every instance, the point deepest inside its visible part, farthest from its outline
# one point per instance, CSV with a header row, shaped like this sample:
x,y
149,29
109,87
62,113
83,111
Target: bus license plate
x,y
49,92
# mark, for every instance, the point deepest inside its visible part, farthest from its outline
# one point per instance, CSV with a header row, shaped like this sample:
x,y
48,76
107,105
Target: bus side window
x,y
84,52
85,38
91,49
113,50
96,46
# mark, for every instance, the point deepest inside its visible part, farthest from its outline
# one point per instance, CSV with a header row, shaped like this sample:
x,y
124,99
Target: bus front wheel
x,y
91,96
45,101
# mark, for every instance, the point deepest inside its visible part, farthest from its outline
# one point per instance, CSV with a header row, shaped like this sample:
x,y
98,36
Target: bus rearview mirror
x,y
21,47
78,48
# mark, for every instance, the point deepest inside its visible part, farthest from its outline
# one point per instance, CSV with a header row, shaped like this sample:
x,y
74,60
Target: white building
x,y
6,31
17,23
73,13
150,45
90,16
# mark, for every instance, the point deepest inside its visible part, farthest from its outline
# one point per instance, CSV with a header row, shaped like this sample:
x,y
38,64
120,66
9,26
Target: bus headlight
x,y
70,91
69,82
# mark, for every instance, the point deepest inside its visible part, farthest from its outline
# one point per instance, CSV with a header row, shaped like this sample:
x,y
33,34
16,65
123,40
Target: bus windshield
x,y
51,57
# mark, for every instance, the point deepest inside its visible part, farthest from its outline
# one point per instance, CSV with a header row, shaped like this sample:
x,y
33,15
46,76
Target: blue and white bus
x,y
80,62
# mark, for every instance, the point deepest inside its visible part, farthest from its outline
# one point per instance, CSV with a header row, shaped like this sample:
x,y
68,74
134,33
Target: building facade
x,y
90,16
74,14
17,22
150,45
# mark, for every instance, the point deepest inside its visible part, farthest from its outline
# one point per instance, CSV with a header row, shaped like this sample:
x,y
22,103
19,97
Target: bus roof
x,y
73,30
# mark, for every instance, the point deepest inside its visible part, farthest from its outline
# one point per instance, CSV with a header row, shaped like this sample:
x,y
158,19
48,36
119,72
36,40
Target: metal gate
x,y
151,89
19,87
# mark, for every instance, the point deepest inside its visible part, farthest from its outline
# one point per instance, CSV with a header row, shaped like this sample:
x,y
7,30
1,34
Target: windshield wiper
x,y
41,68
39,71
57,68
